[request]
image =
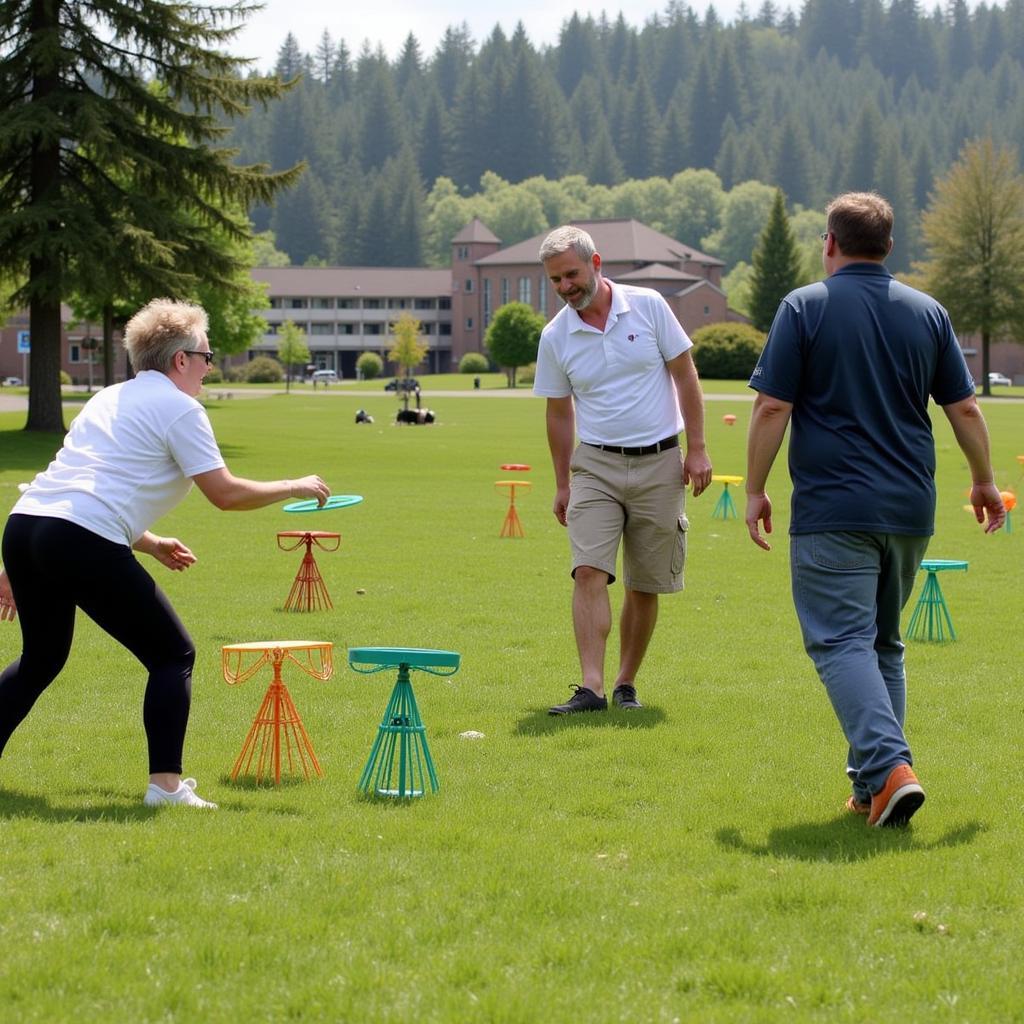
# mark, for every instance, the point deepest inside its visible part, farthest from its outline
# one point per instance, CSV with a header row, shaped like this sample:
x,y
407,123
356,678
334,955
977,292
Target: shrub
x,y
65,377
213,375
264,370
474,362
370,366
727,351
527,373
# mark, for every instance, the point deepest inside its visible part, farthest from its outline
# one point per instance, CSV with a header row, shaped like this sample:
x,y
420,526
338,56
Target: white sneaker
x,y
184,794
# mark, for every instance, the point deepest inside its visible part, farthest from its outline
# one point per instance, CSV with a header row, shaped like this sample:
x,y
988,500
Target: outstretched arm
x,y
234,493
971,434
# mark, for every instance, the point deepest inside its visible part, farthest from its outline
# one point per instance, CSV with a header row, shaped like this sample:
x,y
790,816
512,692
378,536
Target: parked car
x,y
12,382
402,384
325,377
999,378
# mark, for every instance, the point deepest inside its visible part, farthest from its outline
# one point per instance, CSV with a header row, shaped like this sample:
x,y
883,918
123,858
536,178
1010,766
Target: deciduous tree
x,y
513,337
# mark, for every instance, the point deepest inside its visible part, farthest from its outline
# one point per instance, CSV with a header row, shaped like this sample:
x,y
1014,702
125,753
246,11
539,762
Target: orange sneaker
x,y
854,806
897,800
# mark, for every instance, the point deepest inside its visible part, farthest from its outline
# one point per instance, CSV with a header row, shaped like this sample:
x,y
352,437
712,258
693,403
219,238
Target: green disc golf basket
x,y
400,764
931,619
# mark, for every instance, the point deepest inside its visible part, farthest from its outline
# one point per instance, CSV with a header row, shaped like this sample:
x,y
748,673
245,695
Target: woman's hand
x,y
167,551
8,609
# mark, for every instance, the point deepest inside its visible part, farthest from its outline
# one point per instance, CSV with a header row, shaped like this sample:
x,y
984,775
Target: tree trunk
x,y
108,345
44,399
986,387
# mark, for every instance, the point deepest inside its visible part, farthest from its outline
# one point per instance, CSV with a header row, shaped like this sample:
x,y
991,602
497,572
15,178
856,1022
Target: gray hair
x,y
565,238
159,330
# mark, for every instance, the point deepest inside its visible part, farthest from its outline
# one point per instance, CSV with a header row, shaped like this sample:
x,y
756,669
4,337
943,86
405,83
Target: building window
x,y
271,329
322,329
275,302
427,328
487,301
373,303
469,284
462,253
524,291
707,310
346,328
444,303
347,303
74,354
469,323
321,303
425,304
298,304
504,291
373,328
444,329
398,303
542,293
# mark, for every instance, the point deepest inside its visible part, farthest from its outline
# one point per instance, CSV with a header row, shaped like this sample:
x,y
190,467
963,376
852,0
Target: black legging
x,y
55,566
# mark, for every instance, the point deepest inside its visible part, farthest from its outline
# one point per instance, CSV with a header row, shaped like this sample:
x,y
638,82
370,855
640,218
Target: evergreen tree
x,y
433,132
290,59
99,165
894,181
409,68
704,123
675,141
640,149
792,162
960,41
578,52
776,266
862,149
451,61
603,164
382,130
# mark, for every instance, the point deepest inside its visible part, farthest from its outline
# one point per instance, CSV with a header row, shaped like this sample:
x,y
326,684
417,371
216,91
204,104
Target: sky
x,y
389,21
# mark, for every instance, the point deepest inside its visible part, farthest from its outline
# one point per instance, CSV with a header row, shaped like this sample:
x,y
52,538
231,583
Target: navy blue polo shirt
x,y
857,355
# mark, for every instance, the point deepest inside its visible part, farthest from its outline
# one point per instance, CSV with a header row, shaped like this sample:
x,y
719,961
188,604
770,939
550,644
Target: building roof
x,y
618,241
655,272
371,282
476,231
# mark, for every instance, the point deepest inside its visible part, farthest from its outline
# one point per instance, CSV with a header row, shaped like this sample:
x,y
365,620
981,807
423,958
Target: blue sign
x,y
24,343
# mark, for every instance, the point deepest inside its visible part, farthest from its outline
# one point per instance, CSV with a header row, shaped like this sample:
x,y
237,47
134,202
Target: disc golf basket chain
x,y
277,739
309,592
400,765
931,619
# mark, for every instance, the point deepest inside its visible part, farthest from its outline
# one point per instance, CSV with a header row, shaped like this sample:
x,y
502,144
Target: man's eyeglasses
x,y
208,356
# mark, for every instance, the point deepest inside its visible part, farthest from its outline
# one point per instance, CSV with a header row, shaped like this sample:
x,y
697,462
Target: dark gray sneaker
x,y
624,697
582,700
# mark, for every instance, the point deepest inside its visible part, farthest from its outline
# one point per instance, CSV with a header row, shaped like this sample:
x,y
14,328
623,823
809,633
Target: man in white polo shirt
x,y
616,360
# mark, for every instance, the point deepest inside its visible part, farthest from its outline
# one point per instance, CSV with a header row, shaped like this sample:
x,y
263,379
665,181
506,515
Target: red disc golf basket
x,y
309,592
277,738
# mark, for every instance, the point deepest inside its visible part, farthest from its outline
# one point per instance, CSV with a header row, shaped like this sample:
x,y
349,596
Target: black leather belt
x,y
647,449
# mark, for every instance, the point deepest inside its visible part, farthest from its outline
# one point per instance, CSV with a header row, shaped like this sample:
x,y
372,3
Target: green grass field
x,y
688,862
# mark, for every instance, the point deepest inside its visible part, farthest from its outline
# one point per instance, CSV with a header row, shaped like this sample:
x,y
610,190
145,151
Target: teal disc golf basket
x,y
931,620
400,765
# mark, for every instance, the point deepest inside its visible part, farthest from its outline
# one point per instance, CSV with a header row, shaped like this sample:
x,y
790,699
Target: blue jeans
x,y
849,590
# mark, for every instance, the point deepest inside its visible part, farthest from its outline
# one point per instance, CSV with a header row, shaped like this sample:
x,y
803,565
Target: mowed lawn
x,y
691,861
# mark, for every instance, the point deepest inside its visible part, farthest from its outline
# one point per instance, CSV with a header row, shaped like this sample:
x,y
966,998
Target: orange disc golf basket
x,y
725,507
277,738
512,526
309,592
1009,503
400,765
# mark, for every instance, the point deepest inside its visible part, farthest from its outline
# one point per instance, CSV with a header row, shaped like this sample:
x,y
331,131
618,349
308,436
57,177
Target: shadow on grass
x,y
540,723
843,839
24,805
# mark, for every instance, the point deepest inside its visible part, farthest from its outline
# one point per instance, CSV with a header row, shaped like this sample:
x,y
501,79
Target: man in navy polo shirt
x,y
614,364
852,361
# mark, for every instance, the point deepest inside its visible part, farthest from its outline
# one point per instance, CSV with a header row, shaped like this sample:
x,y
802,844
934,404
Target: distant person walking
x,y
615,365
852,361
130,456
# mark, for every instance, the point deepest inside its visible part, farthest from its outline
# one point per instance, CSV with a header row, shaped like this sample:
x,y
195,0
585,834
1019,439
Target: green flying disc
x,y
334,501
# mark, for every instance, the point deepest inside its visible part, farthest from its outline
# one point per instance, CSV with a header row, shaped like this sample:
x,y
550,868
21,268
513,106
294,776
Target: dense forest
x,y
847,94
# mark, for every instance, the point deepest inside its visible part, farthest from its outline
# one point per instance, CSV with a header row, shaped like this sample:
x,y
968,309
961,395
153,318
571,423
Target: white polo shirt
x,y
127,460
622,391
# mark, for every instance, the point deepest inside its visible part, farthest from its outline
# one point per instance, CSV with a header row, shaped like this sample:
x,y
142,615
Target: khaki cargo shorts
x,y
638,498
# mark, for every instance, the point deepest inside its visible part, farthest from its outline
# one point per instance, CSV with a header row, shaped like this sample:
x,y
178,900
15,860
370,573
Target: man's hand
x,y
759,510
561,505
987,501
697,470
